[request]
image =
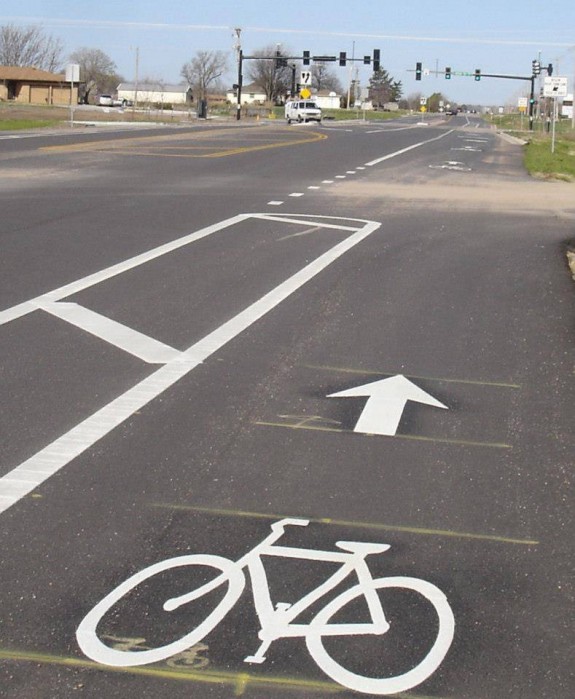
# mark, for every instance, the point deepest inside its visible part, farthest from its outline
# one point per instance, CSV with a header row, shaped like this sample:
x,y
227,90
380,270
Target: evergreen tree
x,y
383,88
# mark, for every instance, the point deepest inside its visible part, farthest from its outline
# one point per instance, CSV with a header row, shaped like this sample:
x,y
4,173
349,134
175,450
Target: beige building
x,y
34,86
155,93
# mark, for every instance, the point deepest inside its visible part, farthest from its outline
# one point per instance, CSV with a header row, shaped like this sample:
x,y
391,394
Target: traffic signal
x,y
478,74
418,71
550,69
281,62
536,66
366,60
376,59
448,73
342,58
306,58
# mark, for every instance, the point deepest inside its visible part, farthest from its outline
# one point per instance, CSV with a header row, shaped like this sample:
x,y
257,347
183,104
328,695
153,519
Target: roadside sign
x,y
305,93
305,77
423,100
555,87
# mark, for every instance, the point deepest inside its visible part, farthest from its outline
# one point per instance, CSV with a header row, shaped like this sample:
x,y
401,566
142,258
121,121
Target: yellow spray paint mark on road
x,y
239,681
368,372
411,437
189,145
376,526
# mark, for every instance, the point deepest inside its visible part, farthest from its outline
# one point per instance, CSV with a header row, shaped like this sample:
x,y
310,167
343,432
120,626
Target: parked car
x,y
302,110
123,102
106,101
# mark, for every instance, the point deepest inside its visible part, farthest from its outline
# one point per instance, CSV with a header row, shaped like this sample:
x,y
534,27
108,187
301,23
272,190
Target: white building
x,y
567,107
155,93
327,100
251,94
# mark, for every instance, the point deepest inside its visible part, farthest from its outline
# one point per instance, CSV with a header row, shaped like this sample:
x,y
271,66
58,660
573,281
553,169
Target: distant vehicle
x,y
106,101
302,110
123,102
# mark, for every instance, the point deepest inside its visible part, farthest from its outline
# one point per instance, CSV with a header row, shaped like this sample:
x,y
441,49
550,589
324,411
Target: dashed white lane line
x,y
364,167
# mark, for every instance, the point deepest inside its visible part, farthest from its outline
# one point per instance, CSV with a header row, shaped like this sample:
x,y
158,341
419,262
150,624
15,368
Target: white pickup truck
x,y
302,110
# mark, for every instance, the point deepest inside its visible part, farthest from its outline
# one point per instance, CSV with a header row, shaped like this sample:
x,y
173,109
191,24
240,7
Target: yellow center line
x,y
141,145
377,526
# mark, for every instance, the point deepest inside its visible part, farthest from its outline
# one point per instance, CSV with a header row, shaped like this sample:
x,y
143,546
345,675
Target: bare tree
x,y
324,78
203,70
97,70
30,47
270,72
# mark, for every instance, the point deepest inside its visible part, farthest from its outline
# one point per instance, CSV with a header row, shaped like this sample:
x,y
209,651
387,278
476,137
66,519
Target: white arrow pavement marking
x,y
386,402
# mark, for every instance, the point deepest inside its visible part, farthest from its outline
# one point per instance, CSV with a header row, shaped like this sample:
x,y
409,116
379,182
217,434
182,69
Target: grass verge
x,y
538,158
540,161
20,124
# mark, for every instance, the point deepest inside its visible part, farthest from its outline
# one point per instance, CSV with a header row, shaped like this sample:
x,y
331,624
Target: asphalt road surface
x,y
286,412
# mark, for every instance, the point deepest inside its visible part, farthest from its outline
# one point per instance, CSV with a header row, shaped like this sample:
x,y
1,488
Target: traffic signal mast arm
x,y
306,58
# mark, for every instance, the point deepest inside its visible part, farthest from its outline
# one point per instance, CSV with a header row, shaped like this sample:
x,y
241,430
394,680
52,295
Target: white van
x,y
302,110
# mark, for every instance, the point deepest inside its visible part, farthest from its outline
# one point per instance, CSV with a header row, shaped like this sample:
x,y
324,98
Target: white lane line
x,y
351,172
86,282
135,343
34,471
314,187
327,181
297,194
340,177
275,203
405,150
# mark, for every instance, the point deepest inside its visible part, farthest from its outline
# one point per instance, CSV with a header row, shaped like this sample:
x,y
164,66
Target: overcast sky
x,y
497,36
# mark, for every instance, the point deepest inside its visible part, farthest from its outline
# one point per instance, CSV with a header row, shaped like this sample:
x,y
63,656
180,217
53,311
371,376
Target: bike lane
x,y
447,492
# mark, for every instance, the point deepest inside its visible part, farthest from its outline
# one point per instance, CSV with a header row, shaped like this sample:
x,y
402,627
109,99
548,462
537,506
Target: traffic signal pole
x,y
448,72
306,59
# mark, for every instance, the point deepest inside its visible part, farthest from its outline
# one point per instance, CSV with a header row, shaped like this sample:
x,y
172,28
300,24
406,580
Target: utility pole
x,y
238,48
136,78
350,77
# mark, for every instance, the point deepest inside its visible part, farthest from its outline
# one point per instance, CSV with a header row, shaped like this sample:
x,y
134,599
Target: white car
x,y
106,101
302,110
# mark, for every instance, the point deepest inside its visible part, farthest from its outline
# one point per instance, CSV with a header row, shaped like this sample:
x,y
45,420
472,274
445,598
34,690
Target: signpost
x,y
305,83
72,76
554,87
